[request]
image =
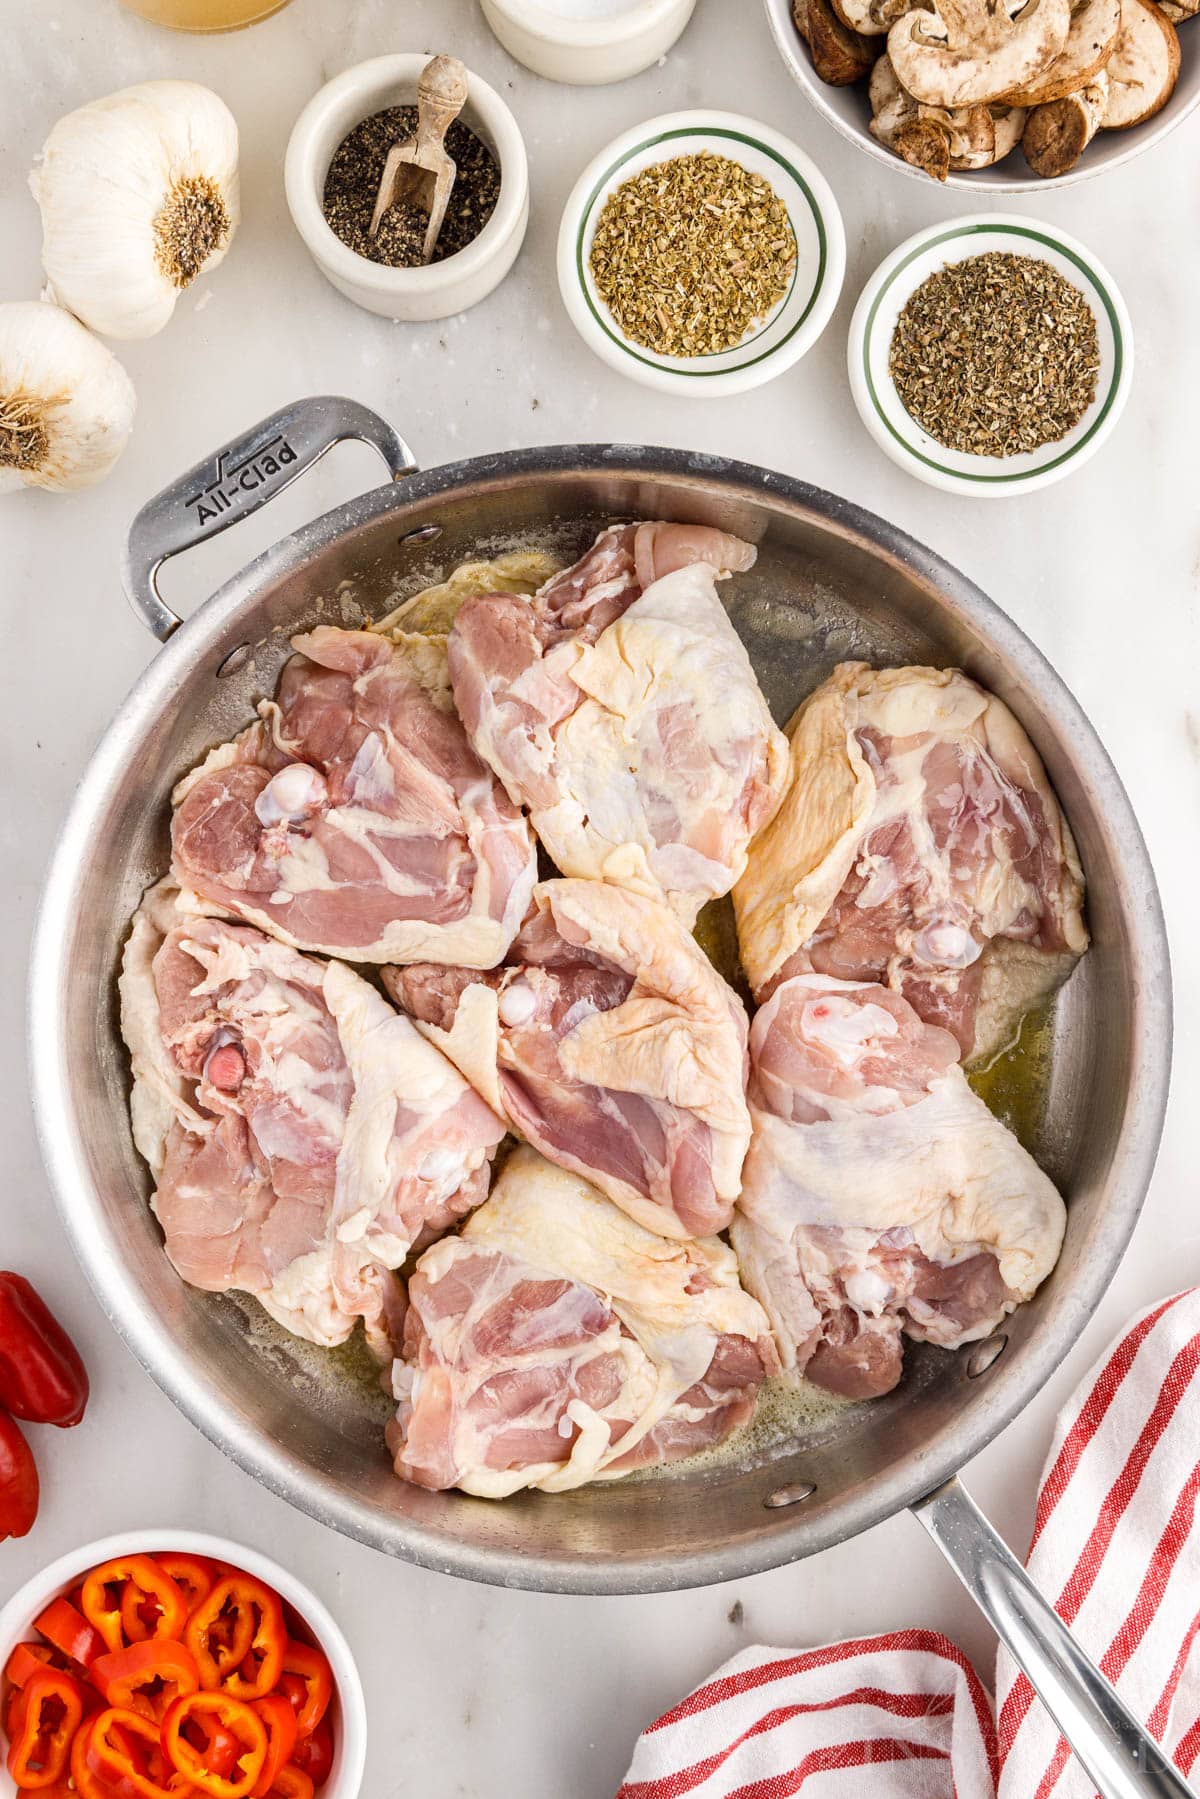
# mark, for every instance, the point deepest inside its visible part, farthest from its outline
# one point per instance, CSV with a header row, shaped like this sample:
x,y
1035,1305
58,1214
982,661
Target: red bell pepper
x,y
104,1592
18,1481
307,1681
194,1749
280,1720
44,1723
147,1677
67,1630
42,1378
238,1637
313,1754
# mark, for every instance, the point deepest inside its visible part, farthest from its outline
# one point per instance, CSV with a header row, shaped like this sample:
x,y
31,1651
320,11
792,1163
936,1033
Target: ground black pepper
x,y
353,182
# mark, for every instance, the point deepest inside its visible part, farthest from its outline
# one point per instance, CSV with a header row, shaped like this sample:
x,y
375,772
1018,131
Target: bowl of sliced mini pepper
x,y
168,1664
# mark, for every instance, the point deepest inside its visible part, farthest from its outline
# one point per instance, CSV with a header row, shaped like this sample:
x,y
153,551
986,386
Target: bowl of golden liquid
x,y
204,15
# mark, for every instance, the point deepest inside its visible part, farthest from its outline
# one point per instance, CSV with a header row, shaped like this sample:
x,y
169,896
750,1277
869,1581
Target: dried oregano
x,y
996,355
690,254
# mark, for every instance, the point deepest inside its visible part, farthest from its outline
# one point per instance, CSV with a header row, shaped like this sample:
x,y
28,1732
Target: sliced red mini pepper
x,y
118,1755
291,1783
238,1637
147,1677
44,1722
104,1591
42,1377
27,1659
194,1575
68,1631
313,1754
280,1720
18,1481
307,1682
194,1750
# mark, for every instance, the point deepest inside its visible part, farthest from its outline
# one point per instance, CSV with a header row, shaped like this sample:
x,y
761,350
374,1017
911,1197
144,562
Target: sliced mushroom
x,y
971,52
935,138
1143,68
840,56
1091,39
1058,133
1178,10
871,18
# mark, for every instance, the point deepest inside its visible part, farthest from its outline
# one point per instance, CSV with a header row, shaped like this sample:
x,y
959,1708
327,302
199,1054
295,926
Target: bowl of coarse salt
x,y
587,42
701,253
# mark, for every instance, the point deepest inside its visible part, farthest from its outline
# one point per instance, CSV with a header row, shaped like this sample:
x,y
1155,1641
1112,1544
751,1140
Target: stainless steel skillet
x,y
831,581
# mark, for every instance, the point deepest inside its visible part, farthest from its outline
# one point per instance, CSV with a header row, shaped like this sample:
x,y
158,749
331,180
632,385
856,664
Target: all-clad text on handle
x,y
239,479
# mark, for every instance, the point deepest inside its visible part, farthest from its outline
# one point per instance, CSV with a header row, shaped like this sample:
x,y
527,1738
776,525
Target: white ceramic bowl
x,y
408,294
880,305
349,1712
794,325
849,112
587,51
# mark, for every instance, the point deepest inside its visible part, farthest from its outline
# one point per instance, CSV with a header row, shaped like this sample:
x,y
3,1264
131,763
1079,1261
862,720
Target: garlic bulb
x,y
66,404
139,195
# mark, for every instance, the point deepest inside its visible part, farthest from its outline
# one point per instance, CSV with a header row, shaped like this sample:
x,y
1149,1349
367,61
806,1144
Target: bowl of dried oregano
x,y
991,355
701,253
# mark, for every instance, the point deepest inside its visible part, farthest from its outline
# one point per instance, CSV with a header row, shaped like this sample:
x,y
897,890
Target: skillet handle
x,y
1114,1749
243,476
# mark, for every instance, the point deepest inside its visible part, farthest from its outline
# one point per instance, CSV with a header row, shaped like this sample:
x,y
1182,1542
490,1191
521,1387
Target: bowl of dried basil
x,y
701,253
991,355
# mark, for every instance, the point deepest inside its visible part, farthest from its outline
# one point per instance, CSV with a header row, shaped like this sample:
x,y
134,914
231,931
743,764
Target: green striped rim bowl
x,y
794,324
879,307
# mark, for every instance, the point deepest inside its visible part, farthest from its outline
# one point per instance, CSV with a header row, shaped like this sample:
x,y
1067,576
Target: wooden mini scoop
x,y
420,172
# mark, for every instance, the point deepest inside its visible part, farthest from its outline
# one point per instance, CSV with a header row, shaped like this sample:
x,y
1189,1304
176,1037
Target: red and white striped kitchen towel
x,y
1115,1542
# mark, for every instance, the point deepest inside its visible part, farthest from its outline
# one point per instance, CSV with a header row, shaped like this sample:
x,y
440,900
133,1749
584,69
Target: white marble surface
x,y
476,1692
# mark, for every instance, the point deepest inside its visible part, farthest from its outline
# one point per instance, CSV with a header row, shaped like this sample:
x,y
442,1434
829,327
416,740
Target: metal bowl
x,y
849,112
831,582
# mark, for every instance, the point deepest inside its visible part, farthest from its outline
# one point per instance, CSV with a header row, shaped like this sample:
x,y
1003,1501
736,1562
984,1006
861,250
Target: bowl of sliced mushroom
x,y
1020,95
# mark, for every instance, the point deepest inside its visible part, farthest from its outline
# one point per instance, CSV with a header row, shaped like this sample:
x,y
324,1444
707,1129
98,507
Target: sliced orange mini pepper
x,y
44,1723
194,1575
307,1682
66,1629
189,1738
291,1783
104,1591
238,1637
118,1755
27,1659
280,1720
146,1677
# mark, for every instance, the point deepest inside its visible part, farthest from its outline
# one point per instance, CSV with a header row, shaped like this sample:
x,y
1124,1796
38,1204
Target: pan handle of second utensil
x,y
239,479
1121,1757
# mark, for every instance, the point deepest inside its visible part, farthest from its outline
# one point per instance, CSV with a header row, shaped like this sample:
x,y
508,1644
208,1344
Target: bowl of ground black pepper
x,y
701,253
990,356
335,159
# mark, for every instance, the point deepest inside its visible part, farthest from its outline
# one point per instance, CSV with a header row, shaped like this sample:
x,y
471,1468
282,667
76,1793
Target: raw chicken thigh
x,y
610,1042
354,818
302,1135
920,845
556,1342
880,1195
619,706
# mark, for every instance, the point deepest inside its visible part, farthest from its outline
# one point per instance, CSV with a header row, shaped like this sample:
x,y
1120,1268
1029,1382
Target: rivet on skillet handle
x,y
240,478
1121,1757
